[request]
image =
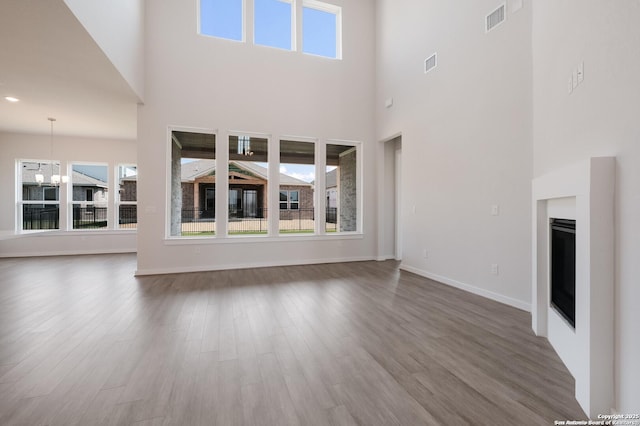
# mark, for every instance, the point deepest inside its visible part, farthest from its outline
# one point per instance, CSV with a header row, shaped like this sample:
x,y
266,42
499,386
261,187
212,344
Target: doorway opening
x,y
391,200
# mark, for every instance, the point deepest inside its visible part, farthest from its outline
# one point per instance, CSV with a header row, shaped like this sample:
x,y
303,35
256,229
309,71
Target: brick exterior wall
x,y
306,195
348,192
128,190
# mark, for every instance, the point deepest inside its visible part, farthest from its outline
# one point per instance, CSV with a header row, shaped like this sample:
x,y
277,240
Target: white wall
x,y
466,140
17,146
117,26
204,82
599,118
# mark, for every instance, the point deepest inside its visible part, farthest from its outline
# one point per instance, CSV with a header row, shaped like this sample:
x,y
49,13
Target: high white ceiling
x,y
50,62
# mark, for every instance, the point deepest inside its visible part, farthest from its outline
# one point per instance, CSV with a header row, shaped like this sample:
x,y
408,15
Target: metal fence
x,y
202,222
89,217
198,222
128,216
40,217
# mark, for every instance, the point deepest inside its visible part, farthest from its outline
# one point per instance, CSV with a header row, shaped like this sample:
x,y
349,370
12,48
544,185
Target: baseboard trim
x,y
67,253
206,268
386,257
469,288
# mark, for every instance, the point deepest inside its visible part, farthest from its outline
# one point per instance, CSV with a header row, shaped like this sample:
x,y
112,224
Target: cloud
x,y
283,169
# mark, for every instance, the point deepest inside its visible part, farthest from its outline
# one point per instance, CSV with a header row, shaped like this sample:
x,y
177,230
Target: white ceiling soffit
x,y
55,68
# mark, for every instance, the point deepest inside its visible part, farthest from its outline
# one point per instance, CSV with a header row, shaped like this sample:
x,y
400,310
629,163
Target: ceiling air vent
x,y
430,63
496,17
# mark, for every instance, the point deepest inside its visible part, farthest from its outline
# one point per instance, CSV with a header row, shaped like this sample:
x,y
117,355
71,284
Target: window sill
x,y
57,233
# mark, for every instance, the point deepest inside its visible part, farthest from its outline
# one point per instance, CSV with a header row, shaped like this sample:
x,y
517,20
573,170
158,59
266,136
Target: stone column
x,y
347,188
176,190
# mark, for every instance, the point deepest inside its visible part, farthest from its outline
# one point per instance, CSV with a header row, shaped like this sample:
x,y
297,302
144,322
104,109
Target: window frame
x,y
117,196
21,202
293,27
358,147
327,8
243,23
93,203
218,148
289,202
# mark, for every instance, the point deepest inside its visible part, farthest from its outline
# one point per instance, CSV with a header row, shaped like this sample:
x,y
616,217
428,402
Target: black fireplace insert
x,y
563,268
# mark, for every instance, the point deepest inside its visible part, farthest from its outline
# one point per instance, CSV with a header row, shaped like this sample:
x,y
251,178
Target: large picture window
x,y
193,184
248,185
297,172
341,186
127,199
38,199
90,195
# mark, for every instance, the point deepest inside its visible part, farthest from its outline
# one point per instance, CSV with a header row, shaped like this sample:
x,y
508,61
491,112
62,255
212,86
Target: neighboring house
x,y
247,190
85,188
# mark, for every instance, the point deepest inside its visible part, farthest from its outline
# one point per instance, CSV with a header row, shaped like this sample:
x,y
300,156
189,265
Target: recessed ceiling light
x,y
11,99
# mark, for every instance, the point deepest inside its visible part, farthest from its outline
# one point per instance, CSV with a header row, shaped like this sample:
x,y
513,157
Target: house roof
x,y
77,178
199,168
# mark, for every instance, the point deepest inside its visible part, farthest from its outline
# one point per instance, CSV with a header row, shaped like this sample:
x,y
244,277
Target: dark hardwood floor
x,y
83,342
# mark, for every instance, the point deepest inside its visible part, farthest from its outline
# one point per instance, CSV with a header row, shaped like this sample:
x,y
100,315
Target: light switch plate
x,y
581,72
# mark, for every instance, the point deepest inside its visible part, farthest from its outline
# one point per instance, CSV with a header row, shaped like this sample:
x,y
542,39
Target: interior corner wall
x,y
21,146
466,141
202,82
598,118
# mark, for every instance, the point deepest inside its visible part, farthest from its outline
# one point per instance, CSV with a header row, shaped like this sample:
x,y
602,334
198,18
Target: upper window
x,y
273,23
222,18
321,29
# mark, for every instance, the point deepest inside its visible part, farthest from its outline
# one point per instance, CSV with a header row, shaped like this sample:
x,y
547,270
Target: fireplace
x,y
563,268
583,191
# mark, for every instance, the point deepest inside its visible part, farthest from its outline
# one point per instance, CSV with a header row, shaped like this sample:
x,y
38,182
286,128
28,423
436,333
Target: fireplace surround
x,y
583,192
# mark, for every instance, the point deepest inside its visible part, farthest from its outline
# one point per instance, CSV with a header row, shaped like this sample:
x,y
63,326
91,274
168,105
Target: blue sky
x,y
272,24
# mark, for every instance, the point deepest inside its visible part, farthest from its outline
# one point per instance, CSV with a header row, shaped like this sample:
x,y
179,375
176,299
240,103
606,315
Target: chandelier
x,y
56,179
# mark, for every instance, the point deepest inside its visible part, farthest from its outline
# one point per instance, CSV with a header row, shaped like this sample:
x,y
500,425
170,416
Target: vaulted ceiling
x,y
50,62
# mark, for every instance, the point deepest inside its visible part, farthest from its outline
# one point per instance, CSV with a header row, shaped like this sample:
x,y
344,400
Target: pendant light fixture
x,y
39,175
56,179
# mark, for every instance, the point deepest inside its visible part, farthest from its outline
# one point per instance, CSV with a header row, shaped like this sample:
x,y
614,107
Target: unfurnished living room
x,y
319,212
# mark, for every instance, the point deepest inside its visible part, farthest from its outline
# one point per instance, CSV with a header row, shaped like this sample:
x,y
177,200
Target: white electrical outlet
x,y
425,253
494,269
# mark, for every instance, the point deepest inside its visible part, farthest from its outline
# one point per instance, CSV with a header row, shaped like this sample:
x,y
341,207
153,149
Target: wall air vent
x,y
430,63
496,17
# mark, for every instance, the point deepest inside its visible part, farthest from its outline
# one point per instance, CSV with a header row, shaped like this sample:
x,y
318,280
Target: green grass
x,y
247,232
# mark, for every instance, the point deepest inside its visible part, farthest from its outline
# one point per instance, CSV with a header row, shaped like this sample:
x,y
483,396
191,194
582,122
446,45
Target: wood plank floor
x,y
83,342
